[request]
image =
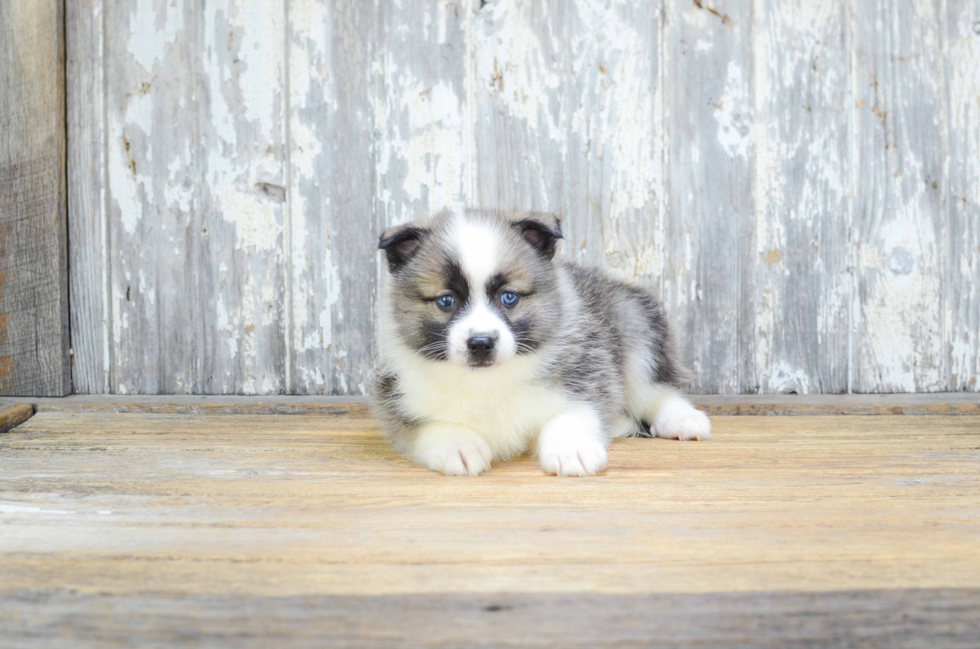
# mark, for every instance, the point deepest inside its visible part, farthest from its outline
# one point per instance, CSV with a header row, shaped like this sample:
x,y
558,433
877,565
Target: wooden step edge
x,y
14,415
779,405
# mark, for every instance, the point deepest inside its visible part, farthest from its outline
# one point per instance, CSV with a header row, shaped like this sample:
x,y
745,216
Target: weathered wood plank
x,y
11,416
196,176
801,96
568,102
962,282
516,99
898,619
899,184
88,228
955,403
274,530
151,66
242,244
34,338
737,156
710,171
422,109
332,50
287,506
851,404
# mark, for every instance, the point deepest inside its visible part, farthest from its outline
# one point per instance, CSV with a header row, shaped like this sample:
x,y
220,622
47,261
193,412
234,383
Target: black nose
x,y
481,346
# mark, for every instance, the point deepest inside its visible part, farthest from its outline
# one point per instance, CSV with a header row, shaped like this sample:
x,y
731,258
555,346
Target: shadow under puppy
x,y
490,347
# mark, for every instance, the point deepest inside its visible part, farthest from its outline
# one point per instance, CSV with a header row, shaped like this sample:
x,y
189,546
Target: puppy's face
x,y
474,288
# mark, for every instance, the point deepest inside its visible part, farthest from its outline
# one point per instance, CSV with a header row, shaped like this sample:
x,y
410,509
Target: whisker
x,y
434,349
522,346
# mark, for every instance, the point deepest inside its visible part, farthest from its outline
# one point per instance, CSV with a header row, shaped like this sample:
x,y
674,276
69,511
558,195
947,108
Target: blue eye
x,y
446,302
508,298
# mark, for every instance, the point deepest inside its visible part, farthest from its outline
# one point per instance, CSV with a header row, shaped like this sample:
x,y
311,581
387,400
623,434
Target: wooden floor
x,y
136,529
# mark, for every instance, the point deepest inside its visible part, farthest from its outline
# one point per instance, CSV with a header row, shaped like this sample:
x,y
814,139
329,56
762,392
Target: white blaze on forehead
x,y
477,245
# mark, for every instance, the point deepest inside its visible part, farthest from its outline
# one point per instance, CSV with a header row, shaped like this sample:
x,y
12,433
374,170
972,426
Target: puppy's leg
x,y
671,416
451,449
573,444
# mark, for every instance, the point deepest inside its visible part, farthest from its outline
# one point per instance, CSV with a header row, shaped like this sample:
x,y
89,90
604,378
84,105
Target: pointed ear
x,y
400,243
541,230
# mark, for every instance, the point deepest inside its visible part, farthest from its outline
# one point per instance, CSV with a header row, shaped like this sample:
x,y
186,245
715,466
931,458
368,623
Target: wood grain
x,y
34,339
962,302
798,179
256,526
800,91
422,104
903,619
333,189
285,506
11,416
568,101
88,227
195,155
858,404
899,183
710,171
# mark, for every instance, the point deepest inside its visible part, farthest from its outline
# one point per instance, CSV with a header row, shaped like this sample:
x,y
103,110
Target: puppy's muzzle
x,y
481,349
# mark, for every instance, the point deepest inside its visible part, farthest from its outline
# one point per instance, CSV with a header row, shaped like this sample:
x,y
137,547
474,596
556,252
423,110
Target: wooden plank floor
x,y
271,530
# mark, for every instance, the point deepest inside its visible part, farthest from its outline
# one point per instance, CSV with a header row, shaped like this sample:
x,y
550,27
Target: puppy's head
x,y
473,287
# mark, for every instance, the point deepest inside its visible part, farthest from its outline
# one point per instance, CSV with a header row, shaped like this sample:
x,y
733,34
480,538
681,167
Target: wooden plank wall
x,y
34,338
800,180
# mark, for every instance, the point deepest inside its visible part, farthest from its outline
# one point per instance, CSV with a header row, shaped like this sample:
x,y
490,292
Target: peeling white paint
x,y
150,33
256,222
550,106
734,114
259,28
784,379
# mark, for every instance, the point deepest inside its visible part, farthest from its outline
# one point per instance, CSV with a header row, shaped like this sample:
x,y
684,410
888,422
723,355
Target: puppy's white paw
x,y
683,424
570,445
576,458
452,450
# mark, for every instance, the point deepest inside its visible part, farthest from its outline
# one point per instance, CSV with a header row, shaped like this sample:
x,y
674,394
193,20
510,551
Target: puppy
x,y
490,347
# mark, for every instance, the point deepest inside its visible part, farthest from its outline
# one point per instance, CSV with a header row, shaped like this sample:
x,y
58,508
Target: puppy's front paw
x,y
452,450
686,425
571,446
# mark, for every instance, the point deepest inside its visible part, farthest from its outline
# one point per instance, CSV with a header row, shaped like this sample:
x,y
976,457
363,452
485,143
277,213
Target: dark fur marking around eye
x,y
456,282
495,283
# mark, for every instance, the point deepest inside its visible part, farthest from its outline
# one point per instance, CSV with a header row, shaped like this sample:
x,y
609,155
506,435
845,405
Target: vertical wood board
x,y
710,171
87,191
899,183
332,212
961,31
802,254
196,175
34,337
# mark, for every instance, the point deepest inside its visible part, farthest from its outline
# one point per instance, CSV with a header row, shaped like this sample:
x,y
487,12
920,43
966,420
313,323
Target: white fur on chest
x,y
501,404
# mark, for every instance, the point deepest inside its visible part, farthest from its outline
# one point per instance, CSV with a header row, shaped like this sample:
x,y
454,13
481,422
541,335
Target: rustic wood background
x,y
800,179
34,337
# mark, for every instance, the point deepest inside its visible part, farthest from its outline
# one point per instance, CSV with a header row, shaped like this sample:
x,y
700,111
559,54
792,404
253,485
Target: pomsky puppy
x,y
490,347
